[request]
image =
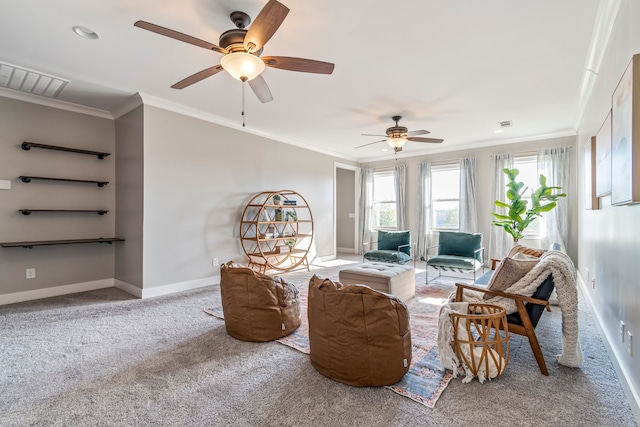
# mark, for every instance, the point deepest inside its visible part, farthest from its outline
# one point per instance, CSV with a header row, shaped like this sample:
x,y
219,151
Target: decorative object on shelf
x,y
625,137
265,228
290,202
290,243
291,216
518,217
277,199
28,145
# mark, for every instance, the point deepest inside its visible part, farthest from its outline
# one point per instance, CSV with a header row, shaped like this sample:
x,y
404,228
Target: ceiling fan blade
x,y
195,78
371,143
433,140
261,89
298,64
417,132
370,134
265,25
178,36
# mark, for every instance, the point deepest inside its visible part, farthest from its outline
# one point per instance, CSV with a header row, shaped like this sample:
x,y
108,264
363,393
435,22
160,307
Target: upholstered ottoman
x,y
394,279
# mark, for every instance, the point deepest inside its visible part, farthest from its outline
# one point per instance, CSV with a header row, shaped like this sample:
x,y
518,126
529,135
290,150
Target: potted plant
x,y
290,243
277,199
291,216
518,217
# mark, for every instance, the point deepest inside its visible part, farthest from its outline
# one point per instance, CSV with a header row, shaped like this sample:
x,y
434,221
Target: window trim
x,y
443,167
380,174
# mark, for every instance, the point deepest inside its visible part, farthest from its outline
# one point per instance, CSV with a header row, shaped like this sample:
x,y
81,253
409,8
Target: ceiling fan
x,y
242,49
397,136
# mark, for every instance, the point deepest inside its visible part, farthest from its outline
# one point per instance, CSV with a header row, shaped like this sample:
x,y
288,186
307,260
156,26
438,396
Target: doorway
x,y
346,219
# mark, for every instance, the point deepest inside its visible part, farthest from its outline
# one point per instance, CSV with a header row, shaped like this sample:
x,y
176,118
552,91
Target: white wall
x,y
484,177
609,238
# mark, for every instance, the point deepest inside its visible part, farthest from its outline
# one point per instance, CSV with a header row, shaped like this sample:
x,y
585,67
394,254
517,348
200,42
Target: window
x,y
527,164
445,196
384,200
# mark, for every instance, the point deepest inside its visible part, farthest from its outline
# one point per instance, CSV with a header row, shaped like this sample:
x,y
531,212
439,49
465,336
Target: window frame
x,y
374,220
441,167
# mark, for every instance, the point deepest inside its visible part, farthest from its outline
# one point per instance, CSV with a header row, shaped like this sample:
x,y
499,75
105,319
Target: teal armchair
x,y
457,252
392,247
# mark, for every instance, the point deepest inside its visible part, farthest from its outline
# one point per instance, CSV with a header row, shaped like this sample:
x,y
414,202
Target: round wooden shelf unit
x,y
277,236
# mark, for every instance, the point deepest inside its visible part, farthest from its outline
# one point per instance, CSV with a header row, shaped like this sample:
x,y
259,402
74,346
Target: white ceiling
x,y
455,68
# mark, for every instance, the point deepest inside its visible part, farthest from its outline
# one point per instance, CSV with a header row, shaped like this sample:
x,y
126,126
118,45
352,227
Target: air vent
x,y
505,124
29,81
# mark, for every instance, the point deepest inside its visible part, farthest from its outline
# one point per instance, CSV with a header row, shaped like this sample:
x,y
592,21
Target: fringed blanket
x,y
561,268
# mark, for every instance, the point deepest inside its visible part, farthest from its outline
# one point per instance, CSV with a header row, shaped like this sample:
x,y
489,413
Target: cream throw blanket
x,y
560,266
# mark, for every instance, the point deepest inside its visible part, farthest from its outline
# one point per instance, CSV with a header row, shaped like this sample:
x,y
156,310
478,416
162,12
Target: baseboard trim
x,y
633,395
347,250
55,291
128,288
172,288
179,287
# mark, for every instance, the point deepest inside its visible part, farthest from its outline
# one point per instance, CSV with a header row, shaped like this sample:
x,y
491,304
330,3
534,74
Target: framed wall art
x,y
591,200
625,137
603,158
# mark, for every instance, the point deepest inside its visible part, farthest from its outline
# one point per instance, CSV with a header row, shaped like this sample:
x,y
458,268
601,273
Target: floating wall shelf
x,y
30,245
28,178
29,145
28,211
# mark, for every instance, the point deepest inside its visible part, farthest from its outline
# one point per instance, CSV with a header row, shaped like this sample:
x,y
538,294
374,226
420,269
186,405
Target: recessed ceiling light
x,y
385,149
85,32
498,131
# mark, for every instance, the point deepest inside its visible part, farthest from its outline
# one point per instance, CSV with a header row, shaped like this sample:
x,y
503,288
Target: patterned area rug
x,y
425,381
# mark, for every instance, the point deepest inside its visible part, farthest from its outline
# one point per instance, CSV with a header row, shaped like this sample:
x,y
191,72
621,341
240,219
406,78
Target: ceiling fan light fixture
x,y
242,64
397,141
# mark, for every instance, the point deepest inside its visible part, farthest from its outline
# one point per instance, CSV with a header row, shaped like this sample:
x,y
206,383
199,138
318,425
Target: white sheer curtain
x,y
468,208
400,182
499,241
554,164
424,207
366,206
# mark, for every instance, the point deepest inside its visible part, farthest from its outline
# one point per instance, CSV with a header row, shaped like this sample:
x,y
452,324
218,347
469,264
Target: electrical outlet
x,y
31,273
630,343
593,283
215,262
622,331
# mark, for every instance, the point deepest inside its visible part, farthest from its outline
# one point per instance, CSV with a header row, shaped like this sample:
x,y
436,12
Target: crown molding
x,y
55,103
201,115
605,20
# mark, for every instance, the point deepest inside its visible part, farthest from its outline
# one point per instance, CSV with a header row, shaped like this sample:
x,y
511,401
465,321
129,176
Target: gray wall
x,y
198,176
130,196
609,238
484,177
55,265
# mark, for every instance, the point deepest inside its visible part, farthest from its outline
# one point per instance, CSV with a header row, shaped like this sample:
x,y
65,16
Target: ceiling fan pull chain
x,y
244,79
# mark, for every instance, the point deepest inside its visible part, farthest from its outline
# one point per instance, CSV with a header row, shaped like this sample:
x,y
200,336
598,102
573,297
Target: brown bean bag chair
x,y
357,335
257,307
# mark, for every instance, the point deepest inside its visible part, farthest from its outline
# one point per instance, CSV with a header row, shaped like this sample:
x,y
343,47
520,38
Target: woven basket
x,y
481,340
